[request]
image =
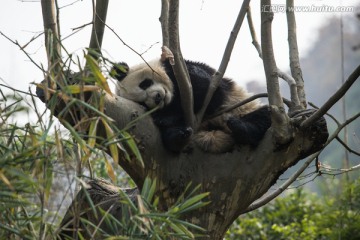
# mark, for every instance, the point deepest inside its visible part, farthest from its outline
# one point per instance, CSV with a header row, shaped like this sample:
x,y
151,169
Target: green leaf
x,y
133,147
192,201
99,77
148,189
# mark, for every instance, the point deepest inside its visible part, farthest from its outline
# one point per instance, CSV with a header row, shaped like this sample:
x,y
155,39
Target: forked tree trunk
x,y
234,180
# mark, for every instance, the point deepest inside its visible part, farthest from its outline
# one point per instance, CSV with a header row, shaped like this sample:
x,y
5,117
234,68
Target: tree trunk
x,y
234,180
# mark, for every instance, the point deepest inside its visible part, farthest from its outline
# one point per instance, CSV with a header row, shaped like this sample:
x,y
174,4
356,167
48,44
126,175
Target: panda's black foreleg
x,y
176,138
174,134
251,128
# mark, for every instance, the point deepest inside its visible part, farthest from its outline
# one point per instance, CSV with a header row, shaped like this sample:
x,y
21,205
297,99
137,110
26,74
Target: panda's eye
x,y
146,84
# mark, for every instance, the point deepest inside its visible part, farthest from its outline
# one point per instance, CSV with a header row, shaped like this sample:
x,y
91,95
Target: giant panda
x,y
153,85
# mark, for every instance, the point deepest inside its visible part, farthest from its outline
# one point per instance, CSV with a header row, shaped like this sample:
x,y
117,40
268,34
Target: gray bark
x,y
235,179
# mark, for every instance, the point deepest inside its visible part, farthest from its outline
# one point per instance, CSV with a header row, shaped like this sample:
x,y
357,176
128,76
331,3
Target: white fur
x,y
129,86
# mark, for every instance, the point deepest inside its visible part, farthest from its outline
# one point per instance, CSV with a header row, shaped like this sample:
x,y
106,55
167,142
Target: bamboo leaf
x,y
92,133
5,180
193,201
127,200
75,89
133,147
113,146
183,230
99,77
148,189
78,139
193,207
110,170
189,225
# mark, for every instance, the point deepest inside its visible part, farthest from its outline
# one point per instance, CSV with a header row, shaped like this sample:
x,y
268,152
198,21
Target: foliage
x,y
26,173
37,163
142,217
302,215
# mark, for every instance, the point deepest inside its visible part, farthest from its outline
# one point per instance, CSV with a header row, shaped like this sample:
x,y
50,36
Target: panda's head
x,y
146,83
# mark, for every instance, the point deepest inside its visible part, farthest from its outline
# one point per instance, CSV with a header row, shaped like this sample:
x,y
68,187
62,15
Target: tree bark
x,y
98,28
234,179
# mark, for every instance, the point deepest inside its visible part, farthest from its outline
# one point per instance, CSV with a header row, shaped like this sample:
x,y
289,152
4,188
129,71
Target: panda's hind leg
x,y
251,128
214,141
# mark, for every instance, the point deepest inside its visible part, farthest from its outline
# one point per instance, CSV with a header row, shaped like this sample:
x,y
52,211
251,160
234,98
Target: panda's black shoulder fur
x,y
200,76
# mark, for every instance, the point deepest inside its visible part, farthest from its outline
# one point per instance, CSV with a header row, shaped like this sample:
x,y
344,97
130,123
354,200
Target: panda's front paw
x,y
168,121
176,138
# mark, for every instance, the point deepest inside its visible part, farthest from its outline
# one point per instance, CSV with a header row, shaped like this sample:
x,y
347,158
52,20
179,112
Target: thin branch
x,y
179,69
293,89
283,187
32,39
22,48
271,196
346,146
99,20
82,26
52,40
294,54
280,120
347,122
58,18
268,56
255,42
68,5
346,162
341,170
164,20
217,77
333,99
289,79
327,114
125,44
250,99
17,90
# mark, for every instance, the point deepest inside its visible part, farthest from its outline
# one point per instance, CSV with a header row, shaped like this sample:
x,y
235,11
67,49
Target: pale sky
x,y
205,26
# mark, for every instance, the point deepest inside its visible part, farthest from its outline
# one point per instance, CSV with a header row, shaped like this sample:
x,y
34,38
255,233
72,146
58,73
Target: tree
x,y
253,171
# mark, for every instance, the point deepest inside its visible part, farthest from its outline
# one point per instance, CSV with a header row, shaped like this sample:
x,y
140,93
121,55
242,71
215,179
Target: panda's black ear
x,y
119,70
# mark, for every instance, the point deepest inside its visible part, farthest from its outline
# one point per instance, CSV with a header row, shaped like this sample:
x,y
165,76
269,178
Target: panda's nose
x,y
158,98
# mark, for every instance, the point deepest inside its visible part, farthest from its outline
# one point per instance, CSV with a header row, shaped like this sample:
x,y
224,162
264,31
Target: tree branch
x,y
164,20
217,77
99,20
328,171
289,79
255,42
268,56
280,120
252,98
347,147
22,48
180,70
294,55
273,195
261,202
333,99
52,40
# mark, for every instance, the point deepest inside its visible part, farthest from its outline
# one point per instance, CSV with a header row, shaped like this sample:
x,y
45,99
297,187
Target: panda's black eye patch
x,y
146,84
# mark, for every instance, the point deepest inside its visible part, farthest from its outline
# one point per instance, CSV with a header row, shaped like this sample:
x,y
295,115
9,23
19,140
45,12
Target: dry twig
x,y
216,78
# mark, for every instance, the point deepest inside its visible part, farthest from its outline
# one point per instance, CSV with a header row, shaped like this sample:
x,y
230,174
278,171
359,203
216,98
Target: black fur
x,y
251,128
176,135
